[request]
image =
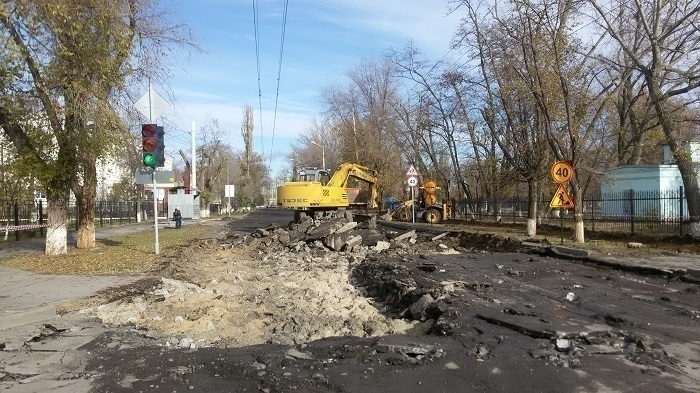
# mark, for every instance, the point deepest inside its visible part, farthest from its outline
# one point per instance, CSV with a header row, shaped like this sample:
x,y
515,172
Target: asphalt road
x,y
506,322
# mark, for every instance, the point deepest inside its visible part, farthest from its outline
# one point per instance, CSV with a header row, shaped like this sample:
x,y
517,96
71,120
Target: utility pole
x,y
155,190
193,180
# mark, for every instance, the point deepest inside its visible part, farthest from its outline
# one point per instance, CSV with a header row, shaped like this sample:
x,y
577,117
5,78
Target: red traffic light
x,y
148,130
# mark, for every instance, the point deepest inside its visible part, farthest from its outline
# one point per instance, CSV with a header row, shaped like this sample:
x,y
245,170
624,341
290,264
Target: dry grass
x,y
126,254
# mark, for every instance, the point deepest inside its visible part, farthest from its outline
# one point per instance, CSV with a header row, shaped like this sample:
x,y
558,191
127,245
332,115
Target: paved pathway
x,y
27,297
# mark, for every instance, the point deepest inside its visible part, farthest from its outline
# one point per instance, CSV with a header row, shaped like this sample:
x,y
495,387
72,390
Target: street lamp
x,y
323,153
294,169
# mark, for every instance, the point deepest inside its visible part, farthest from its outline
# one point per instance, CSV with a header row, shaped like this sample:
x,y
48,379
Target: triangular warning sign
x,y
561,198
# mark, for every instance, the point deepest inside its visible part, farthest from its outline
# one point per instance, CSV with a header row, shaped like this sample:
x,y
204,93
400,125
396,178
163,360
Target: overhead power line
x,y
257,58
279,74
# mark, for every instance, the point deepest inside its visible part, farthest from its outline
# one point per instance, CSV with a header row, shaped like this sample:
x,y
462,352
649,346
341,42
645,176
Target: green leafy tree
x,y
64,68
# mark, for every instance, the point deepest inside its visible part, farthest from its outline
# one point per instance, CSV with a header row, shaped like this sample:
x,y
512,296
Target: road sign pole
x,y
561,224
413,205
155,211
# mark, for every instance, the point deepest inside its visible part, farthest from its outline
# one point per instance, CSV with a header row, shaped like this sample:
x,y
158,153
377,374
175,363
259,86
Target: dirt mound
x,y
293,285
489,242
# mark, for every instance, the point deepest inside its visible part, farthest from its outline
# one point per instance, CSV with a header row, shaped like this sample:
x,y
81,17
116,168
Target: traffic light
x,y
152,143
160,147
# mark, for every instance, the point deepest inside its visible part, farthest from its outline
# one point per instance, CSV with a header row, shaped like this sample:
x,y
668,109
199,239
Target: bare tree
x,y
247,128
438,131
363,115
508,110
665,53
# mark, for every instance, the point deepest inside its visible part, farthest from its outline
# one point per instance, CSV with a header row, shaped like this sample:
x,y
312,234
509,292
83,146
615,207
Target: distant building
x,y
646,190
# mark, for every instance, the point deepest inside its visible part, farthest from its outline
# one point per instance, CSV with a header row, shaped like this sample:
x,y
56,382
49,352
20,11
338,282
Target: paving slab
x,y
27,297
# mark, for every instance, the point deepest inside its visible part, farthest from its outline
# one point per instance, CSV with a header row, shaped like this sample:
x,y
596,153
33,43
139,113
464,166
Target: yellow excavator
x,y
314,191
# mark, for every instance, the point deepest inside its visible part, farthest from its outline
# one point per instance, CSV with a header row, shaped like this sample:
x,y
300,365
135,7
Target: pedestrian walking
x,y
177,217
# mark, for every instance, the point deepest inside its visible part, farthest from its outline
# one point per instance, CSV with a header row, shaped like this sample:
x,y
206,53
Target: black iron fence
x,y
629,211
29,219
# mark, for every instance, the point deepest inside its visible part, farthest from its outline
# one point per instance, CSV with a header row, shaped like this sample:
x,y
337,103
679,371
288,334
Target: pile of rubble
x,y
277,286
342,235
310,280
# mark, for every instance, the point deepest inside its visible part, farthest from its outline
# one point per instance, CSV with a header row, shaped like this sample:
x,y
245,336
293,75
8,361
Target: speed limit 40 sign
x,y
562,172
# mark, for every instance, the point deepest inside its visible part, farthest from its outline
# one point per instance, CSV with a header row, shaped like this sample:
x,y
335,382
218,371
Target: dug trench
x,y
306,306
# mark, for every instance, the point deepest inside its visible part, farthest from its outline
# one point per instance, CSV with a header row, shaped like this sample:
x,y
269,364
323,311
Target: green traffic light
x,y
149,160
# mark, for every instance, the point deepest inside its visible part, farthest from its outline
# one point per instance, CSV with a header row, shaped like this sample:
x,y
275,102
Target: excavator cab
x,y
314,174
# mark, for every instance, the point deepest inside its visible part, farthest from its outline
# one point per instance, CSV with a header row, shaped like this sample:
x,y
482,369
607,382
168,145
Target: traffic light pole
x,y
155,209
153,173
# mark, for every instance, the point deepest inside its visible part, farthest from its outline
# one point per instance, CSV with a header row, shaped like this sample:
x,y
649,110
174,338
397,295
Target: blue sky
x,y
323,40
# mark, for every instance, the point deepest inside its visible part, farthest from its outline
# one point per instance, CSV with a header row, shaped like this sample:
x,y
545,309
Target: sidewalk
x,y
27,297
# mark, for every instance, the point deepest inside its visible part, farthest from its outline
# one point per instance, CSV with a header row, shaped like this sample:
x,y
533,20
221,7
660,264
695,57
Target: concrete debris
x,y
563,344
381,246
295,354
338,234
440,236
418,308
348,226
408,235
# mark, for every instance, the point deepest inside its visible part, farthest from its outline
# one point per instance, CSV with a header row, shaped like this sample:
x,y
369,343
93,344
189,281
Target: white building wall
x,y
647,182
692,147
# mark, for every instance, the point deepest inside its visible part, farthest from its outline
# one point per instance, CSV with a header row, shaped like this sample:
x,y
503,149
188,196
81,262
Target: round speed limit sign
x,y
412,181
562,172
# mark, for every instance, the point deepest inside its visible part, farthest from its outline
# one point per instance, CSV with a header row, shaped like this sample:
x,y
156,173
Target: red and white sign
x,y
412,172
412,181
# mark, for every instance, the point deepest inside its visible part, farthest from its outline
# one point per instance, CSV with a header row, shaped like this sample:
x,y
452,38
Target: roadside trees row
x,y
67,72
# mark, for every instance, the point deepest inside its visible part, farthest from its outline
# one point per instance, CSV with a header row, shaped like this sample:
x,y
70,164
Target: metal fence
x,y
629,211
34,216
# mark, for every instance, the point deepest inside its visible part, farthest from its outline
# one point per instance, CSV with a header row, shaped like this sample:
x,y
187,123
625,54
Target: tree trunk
x,y
532,189
579,236
682,157
85,187
86,220
57,232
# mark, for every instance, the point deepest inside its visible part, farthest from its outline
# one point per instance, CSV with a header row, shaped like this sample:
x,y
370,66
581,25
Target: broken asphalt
x,y
26,297
685,266
367,364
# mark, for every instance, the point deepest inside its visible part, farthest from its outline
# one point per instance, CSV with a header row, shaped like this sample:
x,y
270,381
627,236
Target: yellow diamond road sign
x,y
561,198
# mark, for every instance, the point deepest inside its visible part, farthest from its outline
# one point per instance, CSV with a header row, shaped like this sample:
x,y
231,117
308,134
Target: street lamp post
x,y
294,169
323,153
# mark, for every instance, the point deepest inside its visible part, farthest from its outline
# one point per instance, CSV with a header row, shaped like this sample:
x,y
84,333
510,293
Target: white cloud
x,y
425,22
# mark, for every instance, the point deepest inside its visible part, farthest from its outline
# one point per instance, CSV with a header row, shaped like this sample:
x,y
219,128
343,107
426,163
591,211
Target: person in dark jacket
x,y
177,217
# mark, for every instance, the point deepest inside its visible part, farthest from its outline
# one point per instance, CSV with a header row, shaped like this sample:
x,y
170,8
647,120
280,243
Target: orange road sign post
x,y
562,172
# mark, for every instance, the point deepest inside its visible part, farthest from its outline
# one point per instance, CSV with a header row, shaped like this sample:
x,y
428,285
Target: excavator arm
x,y
350,170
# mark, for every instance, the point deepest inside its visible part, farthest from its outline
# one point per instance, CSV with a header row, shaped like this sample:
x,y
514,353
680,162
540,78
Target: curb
x,y
684,274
